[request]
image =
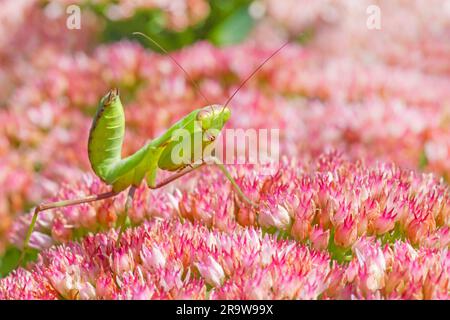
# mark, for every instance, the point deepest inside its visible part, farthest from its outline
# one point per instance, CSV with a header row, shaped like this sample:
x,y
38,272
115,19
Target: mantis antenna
x,y
253,73
176,62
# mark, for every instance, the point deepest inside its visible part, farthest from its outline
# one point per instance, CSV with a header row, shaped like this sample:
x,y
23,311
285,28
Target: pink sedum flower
x,y
346,232
211,271
153,258
319,238
278,217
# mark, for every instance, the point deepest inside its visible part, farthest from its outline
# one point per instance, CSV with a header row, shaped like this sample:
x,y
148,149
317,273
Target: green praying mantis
x,y
105,147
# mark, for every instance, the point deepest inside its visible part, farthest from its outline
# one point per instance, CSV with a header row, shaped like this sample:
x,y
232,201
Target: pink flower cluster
x,y
329,204
168,260
173,260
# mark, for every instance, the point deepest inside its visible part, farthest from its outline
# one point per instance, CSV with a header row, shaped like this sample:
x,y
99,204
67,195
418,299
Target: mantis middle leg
x,y
222,168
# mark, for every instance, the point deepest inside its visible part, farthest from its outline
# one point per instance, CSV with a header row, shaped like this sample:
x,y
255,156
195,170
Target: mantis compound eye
x,y
203,114
205,117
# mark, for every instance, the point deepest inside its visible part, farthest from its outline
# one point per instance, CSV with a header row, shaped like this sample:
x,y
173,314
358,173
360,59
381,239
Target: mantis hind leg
x,y
59,204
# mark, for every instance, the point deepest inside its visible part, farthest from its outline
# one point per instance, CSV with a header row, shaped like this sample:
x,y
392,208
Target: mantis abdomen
x,y
106,135
105,147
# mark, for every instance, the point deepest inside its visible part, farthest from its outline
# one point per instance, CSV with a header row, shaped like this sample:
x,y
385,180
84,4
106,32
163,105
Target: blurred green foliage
x,y
10,259
228,23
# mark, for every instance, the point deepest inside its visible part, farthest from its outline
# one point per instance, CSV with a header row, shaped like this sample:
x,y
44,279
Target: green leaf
x,y
10,260
233,29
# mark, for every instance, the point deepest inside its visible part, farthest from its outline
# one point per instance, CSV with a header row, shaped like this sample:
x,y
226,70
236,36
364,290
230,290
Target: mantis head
x,y
212,119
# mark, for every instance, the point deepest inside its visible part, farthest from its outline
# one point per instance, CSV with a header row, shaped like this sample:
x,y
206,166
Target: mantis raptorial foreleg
x,y
216,161
59,204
